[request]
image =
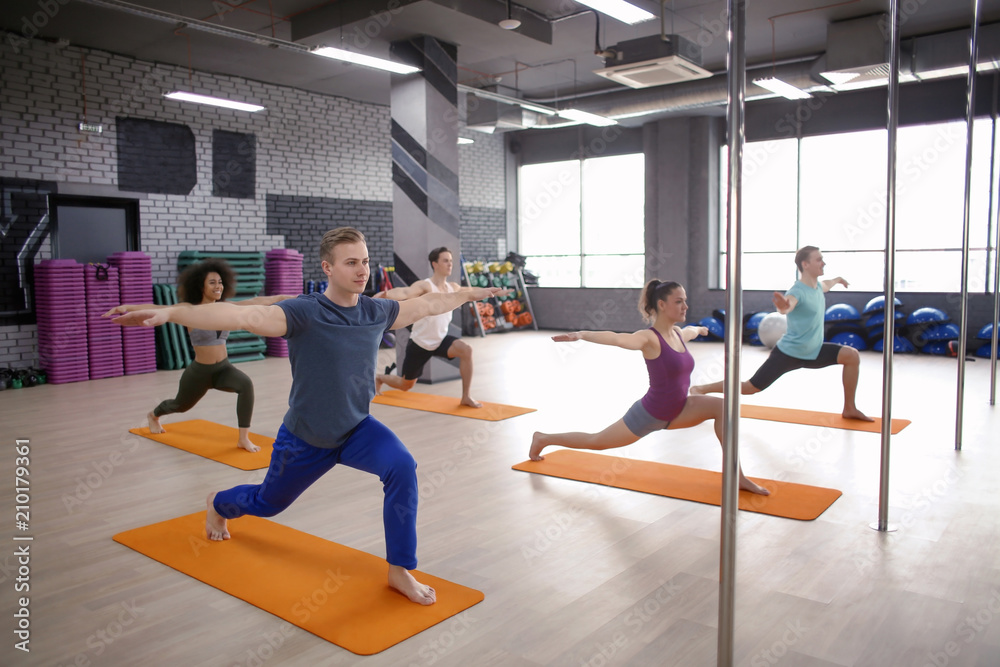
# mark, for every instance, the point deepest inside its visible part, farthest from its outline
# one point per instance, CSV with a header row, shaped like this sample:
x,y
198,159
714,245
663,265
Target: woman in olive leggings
x,y
207,282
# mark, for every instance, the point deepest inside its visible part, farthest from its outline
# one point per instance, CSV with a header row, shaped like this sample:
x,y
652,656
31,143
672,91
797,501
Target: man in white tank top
x,y
430,335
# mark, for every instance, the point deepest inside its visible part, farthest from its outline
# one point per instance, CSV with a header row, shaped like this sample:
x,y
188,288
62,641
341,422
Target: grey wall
x,y
320,161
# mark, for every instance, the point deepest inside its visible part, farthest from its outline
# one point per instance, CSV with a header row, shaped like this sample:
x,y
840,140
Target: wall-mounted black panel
x,y
154,156
234,164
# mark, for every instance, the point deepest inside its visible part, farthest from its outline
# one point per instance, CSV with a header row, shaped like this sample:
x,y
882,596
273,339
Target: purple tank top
x,y
669,380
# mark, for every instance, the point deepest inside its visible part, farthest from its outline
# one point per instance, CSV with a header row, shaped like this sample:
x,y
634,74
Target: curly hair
x,y
191,282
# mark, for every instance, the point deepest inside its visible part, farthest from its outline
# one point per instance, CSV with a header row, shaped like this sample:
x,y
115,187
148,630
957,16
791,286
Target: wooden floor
x,y
573,574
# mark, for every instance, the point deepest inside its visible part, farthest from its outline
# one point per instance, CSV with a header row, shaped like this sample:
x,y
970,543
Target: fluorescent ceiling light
x,y
367,61
619,9
782,88
507,99
214,101
463,140
585,117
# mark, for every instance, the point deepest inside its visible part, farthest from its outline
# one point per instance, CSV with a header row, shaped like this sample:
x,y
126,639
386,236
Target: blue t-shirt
x,y
804,336
333,351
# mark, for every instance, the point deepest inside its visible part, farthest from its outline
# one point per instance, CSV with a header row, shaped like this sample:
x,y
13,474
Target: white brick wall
x,y
307,144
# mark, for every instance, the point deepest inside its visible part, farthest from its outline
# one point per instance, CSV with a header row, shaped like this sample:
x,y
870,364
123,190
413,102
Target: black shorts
x,y
417,357
778,363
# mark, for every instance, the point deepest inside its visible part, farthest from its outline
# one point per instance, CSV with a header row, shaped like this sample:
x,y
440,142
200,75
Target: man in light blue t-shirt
x,y
802,346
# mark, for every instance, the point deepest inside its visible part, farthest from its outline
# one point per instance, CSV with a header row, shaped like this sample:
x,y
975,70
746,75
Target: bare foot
x,y
856,414
378,386
535,452
697,390
401,579
471,402
215,525
747,485
247,445
154,423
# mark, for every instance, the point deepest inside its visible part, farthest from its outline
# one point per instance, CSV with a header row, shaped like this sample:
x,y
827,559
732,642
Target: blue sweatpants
x,y
295,465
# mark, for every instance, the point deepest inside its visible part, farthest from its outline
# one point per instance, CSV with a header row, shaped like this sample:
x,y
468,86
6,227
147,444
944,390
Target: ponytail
x,y
654,292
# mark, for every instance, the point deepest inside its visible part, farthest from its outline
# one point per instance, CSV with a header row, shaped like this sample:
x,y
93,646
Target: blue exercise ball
x,y
716,330
754,339
927,315
878,319
878,303
900,344
946,331
842,312
986,333
850,340
984,351
938,347
753,322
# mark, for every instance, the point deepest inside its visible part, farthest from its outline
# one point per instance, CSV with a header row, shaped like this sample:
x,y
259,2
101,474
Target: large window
x,y
581,222
829,191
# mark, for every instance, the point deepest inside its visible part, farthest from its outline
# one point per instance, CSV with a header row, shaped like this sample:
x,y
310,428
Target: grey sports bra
x,y
204,337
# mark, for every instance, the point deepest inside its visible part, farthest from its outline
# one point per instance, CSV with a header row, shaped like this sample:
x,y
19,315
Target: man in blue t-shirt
x,y
333,339
802,346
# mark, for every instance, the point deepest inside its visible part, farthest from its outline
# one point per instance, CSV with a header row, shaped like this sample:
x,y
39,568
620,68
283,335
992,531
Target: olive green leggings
x,y
199,378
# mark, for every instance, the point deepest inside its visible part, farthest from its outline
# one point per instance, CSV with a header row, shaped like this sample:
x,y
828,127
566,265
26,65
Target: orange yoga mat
x,y
449,405
792,501
332,591
213,441
810,418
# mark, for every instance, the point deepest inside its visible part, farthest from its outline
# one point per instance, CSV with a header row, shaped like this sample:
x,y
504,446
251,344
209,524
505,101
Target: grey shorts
x,y
640,422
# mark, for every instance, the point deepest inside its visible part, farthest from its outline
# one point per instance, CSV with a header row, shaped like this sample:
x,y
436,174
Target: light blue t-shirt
x,y
804,336
333,351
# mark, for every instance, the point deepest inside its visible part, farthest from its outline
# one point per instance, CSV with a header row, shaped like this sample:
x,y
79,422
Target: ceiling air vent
x,y
654,61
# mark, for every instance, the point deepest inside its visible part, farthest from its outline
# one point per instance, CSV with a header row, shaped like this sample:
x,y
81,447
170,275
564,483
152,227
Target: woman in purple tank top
x,y
666,404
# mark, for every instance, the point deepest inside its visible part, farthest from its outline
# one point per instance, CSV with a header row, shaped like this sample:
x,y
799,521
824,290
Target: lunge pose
x,y
666,405
430,335
333,339
802,346
207,282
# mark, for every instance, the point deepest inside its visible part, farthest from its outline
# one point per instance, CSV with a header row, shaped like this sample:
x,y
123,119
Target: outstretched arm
x,y
130,307
413,291
437,303
224,316
784,304
829,284
692,332
628,341
263,300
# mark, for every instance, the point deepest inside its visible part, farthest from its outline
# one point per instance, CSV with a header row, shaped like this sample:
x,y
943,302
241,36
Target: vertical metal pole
x,y
996,253
734,333
889,328
964,319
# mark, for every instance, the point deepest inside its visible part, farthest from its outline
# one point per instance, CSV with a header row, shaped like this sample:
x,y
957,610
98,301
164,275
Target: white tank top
x,y
430,331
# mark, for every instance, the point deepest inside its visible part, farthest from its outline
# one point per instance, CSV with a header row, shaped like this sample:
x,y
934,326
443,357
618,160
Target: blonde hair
x,y
336,237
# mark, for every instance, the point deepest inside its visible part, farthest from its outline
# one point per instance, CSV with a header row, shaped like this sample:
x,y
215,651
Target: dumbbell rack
x,y
504,317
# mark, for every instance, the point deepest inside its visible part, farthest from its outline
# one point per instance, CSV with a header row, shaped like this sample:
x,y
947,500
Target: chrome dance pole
x,y
964,319
734,332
